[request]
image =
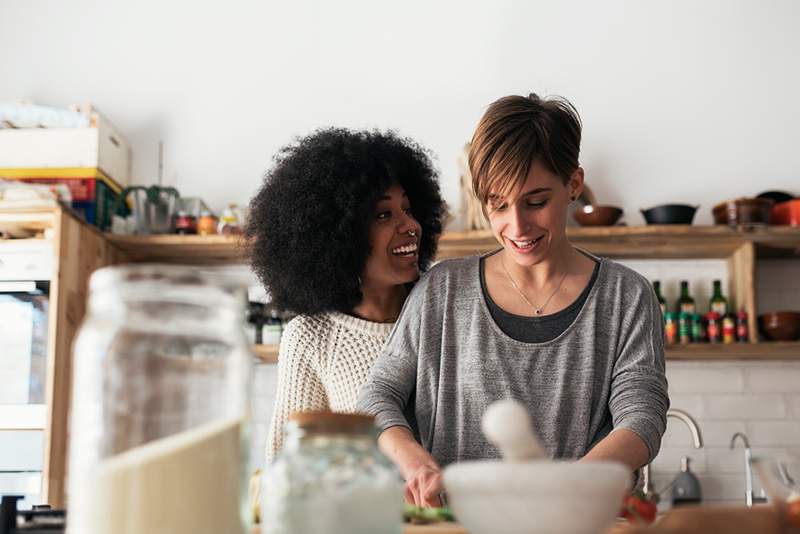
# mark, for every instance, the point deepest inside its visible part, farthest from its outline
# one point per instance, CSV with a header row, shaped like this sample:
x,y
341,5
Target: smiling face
x,y
393,258
531,222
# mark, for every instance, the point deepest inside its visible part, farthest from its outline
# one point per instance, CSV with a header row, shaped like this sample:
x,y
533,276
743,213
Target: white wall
x,y
681,100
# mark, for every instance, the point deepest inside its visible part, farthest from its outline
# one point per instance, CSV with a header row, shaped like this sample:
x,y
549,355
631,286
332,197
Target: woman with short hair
x,y
574,337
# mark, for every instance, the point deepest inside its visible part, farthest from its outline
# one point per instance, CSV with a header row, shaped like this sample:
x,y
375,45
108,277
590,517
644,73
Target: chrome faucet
x,y
697,440
748,471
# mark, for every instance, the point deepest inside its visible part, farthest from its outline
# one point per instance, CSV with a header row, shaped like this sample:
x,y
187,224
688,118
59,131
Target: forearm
x,y
623,446
403,450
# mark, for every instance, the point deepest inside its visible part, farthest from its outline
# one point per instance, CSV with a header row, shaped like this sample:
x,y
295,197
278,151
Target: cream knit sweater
x,y
322,362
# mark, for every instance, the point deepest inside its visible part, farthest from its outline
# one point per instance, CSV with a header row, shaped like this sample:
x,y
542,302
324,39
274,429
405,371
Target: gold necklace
x,y
537,311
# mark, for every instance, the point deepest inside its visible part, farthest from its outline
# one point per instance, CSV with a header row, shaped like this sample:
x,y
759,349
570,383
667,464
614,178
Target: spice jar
x,y
206,223
330,477
161,386
185,223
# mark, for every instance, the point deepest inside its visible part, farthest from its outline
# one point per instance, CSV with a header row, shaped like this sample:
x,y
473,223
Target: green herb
x,y
419,514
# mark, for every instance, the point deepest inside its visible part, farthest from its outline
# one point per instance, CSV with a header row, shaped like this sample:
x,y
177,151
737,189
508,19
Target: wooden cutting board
x,y
435,528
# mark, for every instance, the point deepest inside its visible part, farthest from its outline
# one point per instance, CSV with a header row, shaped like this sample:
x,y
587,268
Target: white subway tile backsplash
x,y
745,406
704,379
719,433
668,461
773,433
717,487
693,404
773,379
793,405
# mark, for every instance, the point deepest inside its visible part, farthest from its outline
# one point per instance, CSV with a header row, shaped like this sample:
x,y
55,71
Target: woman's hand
x,y
422,474
424,487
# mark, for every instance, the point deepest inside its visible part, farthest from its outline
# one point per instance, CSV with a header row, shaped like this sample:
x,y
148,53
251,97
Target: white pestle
x,y
507,425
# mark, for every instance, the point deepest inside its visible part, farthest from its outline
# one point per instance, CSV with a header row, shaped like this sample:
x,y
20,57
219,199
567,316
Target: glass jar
x,y
161,388
330,477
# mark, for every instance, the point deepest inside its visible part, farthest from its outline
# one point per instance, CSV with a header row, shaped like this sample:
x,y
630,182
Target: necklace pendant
x,y
538,312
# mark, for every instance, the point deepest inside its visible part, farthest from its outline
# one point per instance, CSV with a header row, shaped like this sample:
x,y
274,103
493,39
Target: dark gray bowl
x,y
670,214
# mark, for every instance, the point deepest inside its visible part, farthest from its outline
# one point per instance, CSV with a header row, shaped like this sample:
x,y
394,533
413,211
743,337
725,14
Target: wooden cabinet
x,y
77,250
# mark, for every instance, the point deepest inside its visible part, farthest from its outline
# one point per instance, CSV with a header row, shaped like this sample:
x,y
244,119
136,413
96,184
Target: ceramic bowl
x,y
597,215
494,497
786,213
670,214
780,325
743,211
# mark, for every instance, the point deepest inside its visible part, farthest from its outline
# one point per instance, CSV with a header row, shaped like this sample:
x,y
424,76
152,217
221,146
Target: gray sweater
x,y
446,360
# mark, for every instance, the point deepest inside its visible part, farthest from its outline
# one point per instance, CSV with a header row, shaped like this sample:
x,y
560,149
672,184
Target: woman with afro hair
x,y
341,227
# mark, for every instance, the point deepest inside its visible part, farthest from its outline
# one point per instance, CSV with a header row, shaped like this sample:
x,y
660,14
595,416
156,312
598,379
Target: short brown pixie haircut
x,y
514,132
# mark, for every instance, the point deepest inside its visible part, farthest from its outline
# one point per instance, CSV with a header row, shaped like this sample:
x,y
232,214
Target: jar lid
x,y
333,422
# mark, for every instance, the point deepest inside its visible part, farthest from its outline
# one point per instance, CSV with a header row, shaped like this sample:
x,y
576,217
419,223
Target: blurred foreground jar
x,y
331,478
160,400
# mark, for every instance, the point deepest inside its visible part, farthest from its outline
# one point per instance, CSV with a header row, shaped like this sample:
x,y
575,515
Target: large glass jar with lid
x,y
331,478
161,388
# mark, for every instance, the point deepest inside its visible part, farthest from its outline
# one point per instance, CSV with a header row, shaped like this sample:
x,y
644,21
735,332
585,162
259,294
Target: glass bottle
x,y
229,223
741,327
685,302
670,328
161,390
718,303
330,477
661,302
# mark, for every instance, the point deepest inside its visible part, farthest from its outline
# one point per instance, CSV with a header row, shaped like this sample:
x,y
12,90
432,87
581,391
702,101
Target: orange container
x,y
786,213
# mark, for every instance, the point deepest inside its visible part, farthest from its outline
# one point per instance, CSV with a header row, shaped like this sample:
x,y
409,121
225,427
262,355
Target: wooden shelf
x,y
698,352
667,241
266,353
768,350
174,248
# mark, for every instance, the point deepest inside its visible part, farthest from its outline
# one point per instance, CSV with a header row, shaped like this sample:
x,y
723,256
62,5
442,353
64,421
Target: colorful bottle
x,y
718,303
728,329
661,301
713,327
742,332
685,302
670,328
684,328
698,329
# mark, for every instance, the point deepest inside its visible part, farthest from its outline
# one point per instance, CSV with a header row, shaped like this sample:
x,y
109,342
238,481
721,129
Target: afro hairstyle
x,y
308,224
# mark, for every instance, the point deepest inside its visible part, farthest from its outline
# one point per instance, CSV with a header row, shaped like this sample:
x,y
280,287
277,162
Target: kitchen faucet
x,y
748,471
697,440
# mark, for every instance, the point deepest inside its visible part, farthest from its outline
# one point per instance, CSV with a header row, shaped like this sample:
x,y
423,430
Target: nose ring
x,y
412,233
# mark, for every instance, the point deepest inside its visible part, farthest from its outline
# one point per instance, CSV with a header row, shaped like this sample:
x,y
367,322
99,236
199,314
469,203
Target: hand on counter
x,y
424,487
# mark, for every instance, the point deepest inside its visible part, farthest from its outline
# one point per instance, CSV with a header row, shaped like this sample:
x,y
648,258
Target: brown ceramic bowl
x,y
780,325
743,211
593,215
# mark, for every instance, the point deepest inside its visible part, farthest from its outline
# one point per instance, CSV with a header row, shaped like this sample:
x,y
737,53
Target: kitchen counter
x,y
764,519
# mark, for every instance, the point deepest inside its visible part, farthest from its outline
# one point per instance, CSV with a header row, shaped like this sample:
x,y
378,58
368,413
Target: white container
x,y
538,497
99,146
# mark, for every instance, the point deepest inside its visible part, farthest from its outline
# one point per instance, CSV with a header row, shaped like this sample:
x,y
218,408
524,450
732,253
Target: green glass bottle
x,y
685,302
661,301
718,303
